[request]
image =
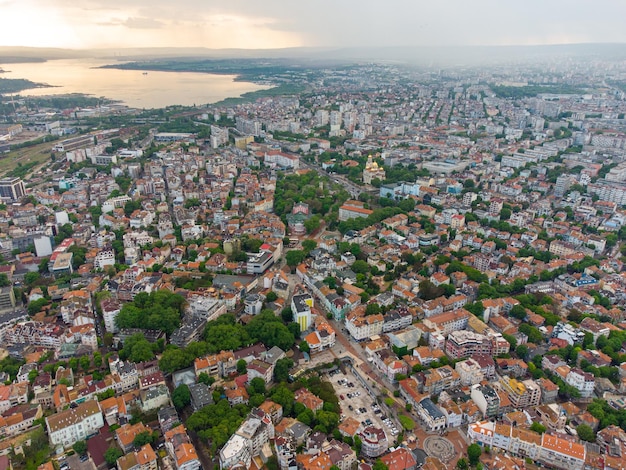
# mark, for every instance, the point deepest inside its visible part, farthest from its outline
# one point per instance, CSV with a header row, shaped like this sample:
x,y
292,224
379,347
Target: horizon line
x,y
447,46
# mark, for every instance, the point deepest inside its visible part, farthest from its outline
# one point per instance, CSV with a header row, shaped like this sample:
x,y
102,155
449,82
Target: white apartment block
x,y
584,382
363,327
110,310
74,424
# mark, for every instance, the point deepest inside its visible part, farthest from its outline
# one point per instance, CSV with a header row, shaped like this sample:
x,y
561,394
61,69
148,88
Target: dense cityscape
x,y
370,266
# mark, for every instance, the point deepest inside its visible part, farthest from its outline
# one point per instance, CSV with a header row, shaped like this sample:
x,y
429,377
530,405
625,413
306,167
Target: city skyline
x,y
275,24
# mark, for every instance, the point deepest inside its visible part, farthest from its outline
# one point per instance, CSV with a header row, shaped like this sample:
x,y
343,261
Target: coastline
x,y
277,88
18,85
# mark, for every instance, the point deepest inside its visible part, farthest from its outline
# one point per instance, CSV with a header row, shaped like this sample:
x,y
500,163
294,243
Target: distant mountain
x,y
422,55
13,54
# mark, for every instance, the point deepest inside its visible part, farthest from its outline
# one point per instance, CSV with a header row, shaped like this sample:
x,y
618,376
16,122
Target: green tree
x,y
112,454
585,433
519,312
31,278
206,379
429,291
357,444
143,438
36,305
271,296
85,363
294,257
461,464
474,452
80,447
511,339
372,309
257,385
130,207
309,245
327,421
137,349
97,359
281,369
360,267
286,314
242,366
522,351
32,375
160,310
304,347
181,397
283,396
379,465
538,428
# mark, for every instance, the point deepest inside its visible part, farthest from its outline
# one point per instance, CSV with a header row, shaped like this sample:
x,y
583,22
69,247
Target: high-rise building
x,y
563,182
12,188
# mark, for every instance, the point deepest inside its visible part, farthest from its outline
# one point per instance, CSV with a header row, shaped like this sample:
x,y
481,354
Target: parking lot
x,y
355,401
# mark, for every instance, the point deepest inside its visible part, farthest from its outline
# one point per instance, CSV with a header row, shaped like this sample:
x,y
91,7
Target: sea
x,y
134,88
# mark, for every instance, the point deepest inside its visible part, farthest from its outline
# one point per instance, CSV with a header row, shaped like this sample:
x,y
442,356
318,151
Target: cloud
x,y
133,23
281,23
143,23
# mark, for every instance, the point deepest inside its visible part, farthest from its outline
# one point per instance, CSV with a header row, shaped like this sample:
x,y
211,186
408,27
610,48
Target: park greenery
x,y
160,310
225,334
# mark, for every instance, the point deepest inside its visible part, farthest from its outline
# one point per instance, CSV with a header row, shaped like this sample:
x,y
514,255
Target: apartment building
x,y
248,440
553,451
110,310
362,326
74,424
486,399
469,371
463,343
437,380
522,394
353,209
374,441
433,417
584,382
12,188
181,450
448,322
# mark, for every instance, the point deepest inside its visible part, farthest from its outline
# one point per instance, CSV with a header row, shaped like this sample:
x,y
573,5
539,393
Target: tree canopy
x,y
217,422
181,396
160,310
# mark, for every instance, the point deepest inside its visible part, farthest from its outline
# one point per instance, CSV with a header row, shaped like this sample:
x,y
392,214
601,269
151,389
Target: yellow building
x,y
372,171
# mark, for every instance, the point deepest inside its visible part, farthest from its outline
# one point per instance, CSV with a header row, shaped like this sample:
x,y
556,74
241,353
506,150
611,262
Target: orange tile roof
x,y
127,433
399,459
308,462
349,426
563,446
145,455
185,453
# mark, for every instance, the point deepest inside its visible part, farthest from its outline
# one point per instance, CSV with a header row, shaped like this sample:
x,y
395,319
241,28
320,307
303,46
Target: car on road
x,y
342,397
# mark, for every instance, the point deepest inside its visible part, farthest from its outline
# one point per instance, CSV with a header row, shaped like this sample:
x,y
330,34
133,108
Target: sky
x,y
260,24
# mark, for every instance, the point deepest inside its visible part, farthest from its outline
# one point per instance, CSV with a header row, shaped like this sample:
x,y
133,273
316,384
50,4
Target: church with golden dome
x,y
372,171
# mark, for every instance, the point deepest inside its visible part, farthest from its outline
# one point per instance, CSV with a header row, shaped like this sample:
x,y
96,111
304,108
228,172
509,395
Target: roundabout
x,y
440,447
